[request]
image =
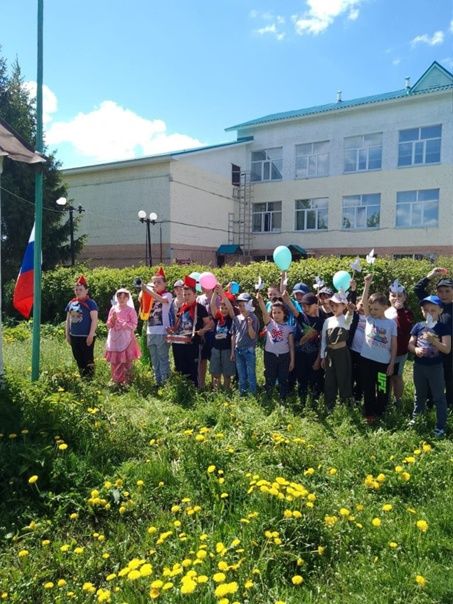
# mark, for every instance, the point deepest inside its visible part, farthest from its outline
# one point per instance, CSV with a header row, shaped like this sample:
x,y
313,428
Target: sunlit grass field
x,y
175,496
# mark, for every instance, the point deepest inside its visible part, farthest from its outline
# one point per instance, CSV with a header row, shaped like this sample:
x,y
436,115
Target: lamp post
x,y
63,203
148,220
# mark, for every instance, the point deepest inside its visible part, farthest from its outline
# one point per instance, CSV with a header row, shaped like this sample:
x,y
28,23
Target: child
x,y
355,343
80,327
404,321
335,357
428,340
158,322
378,353
191,324
222,363
308,328
122,347
279,347
324,295
206,342
244,339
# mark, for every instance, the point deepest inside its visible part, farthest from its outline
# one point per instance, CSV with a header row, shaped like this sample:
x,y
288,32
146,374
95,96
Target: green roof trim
x,y
435,79
297,249
228,248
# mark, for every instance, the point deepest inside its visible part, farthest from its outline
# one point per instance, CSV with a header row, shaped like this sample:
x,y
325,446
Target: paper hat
x,y
81,281
160,273
178,283
397,288
190,282
339,298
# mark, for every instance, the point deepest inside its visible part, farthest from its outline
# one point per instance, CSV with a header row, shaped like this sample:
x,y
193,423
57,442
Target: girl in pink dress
x,y
122,347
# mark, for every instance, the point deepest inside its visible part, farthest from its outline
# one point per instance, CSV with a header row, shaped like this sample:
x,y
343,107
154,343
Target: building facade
x,y
374,172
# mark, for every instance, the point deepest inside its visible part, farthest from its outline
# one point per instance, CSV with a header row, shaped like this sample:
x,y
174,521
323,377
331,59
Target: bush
x,y
58,284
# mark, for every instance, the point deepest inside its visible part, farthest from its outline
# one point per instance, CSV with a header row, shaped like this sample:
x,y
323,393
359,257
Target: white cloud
x,y
396,61
434,40
111,132
322,13
451,26
274,26
271,29
49,100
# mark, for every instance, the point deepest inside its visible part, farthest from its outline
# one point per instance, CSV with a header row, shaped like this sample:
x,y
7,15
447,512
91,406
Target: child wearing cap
x,y
157,324
334,353
121,347
244,339
80,327
429,340
444,289
378,353
222,363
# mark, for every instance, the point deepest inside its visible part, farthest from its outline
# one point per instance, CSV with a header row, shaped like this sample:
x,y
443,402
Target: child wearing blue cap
x,y
430,340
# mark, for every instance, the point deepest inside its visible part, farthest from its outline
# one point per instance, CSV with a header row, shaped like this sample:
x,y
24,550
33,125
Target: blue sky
x,y
127,79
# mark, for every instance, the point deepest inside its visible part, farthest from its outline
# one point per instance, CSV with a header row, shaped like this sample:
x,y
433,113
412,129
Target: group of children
x,y
336,344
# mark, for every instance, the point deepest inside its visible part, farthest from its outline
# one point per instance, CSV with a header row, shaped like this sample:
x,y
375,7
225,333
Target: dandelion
x,y
420,580
393,544
88,587
140,483
387,507
48,585
309,472
422,526
157,584
110,577
63,447
332,471
330,521
376,522
405,476
211,469
345,512
33,479
321,550
426,448
297,580
65,548
73,516
45,542
188,586
218,577
79,550
224,495
248,584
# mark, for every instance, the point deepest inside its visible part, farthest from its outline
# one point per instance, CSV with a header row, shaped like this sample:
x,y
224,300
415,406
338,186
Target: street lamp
x,y
148,220
65,205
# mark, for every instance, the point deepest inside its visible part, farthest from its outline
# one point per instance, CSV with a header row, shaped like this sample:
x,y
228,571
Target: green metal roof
x,y
297,249
435,79
228,248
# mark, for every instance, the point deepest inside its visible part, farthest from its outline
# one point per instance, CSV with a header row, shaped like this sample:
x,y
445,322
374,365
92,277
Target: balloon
x,y
341,280
208,280
282,257
234,287
196,276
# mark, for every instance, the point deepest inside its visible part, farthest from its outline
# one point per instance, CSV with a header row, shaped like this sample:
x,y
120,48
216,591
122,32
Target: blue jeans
x,y
159,353
246,368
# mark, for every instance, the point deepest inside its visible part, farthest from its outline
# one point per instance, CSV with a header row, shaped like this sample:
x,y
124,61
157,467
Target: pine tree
x,y
17,182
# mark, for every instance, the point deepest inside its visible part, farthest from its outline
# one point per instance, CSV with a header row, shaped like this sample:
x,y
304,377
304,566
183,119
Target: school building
x,y
341,178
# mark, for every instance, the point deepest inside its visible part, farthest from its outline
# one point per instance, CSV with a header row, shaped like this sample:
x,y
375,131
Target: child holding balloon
x,y
222,358
207,282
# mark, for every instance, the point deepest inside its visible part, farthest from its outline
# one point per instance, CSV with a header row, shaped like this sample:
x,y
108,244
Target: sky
x,y
126,79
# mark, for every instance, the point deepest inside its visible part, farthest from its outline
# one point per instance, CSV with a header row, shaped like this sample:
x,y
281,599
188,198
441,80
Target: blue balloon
x,y
234,287
282,257
341,280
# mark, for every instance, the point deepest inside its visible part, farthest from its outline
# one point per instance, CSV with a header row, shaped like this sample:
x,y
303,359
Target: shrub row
x,y
58,284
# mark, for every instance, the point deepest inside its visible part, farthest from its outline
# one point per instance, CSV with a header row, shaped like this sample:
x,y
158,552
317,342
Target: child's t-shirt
x,y
277,337
305,324
222,333
159,316
431,356
241,333
377,344
359,334
80,316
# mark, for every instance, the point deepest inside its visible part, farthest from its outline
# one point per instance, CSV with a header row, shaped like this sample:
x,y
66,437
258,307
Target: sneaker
x,y
439,433
411,423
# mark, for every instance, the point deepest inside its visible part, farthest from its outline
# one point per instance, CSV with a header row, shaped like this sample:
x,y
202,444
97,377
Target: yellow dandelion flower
x,y
73,516
88,587
188,586
146,570
211,469
376,522
393,544
79,550
297,580
330,521
387,507
426,448
110,577
422,526
65,548
309,472
23,553
133,575
332,471
45,542
420,580
202,579
33,479
218,577
63,447
48,585
345,512
405,476
140,483
248,584
61,583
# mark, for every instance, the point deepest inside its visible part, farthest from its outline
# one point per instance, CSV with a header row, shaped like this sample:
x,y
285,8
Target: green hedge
x,y
58,284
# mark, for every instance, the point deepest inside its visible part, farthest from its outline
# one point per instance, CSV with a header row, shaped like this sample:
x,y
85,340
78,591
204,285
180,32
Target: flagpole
x,y
2,371
36,343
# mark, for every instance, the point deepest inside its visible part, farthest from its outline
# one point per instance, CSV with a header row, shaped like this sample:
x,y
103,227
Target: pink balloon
x,y
207,280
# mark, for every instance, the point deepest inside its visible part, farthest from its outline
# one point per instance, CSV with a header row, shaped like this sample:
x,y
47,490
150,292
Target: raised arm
x,y
289,303
366,294
264,313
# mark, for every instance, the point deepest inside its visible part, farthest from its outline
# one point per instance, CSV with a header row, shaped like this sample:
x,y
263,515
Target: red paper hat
x,y
231,297
81,281
189,282
160,273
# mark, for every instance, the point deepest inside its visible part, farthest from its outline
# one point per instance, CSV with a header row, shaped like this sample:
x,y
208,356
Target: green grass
x,y
132,457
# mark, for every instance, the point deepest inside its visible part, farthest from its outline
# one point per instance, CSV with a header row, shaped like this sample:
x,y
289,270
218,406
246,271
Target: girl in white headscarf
x,y
122,347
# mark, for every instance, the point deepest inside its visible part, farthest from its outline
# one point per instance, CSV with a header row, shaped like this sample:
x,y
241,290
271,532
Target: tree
x,y
18,188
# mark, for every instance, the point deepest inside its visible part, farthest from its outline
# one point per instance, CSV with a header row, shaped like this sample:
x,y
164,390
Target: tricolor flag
x,y
23,291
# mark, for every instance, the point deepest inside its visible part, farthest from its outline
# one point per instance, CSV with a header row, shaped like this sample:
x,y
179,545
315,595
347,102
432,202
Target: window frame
x,y
313,208
266,215
362,151
360,206
268,163
416,144
313,157
420,202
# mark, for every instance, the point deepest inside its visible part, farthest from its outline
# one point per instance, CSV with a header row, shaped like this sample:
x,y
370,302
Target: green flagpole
x,y
36,342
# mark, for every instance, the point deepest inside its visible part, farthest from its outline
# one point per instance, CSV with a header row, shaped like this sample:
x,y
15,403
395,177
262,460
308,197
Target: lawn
x,y
175,496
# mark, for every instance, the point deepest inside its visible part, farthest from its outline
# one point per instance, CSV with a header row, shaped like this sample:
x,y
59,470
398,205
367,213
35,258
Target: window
x,y
267,217
417,208
361,211
363,152
311,214
419,146
312,159
267,165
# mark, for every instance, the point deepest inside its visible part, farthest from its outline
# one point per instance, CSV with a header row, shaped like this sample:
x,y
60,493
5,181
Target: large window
x,y
361,211
267,217
363,153
417,208
312,159
311,214
419,146
267,164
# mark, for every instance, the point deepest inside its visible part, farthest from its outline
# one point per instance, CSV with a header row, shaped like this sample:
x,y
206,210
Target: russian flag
x,y
23,291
